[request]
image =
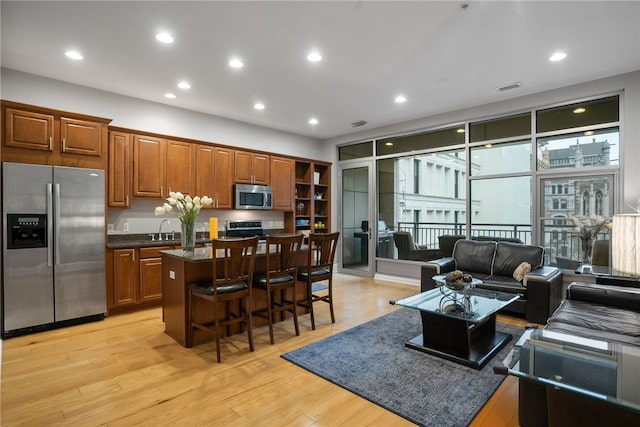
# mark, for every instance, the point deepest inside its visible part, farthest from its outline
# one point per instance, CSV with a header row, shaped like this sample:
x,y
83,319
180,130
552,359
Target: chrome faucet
x,y
160,228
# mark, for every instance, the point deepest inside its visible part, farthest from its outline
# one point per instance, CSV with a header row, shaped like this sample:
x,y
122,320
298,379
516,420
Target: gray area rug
x,y
371,361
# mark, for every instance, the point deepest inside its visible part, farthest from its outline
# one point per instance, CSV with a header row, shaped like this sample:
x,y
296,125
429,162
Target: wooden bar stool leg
x,y
247,319
270,314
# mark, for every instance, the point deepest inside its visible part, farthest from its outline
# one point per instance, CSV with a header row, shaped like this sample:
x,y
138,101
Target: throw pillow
x,y
521,271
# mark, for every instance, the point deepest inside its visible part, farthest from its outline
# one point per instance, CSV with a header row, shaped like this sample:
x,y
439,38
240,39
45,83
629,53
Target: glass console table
x,y
459,325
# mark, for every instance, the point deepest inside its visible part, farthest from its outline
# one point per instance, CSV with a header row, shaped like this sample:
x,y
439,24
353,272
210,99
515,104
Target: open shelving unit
x,y
312,206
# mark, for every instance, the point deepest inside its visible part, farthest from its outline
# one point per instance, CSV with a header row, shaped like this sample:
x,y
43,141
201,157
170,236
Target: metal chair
x,y
232,276
319,268
282,259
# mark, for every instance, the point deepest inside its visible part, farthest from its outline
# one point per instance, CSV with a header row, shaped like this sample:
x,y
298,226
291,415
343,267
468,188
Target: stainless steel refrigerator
x,y
53,247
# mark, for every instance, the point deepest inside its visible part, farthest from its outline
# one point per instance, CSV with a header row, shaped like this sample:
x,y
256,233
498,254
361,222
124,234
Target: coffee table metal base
x,y
457,340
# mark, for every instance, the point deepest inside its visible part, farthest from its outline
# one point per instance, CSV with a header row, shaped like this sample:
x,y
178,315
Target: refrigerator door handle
x,y
56,207
49,228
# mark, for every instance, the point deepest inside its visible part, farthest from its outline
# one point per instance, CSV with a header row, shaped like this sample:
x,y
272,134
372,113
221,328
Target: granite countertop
x,y
121,241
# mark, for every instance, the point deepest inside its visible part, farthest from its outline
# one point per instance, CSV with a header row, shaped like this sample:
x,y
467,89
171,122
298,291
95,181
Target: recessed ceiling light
x,y
460,130
184,85
557,56
400,99
589,133
258,106
314,57
164,38
488,145
236,63
169,95
389,143
579,110
313,121
74,54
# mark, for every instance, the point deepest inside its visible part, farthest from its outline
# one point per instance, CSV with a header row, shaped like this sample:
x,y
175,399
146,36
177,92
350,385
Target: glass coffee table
x,y
601,373
459,325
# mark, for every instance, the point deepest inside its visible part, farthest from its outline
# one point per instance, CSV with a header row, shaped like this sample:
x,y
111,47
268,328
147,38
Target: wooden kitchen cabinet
x,y
149,154
125,278
151,274
119,171
33,134
283,182
161,166
135,279
180,164
214,169
251,168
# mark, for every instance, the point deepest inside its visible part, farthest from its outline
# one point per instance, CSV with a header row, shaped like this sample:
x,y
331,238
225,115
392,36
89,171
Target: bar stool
x,y
233,265
319,268
282,259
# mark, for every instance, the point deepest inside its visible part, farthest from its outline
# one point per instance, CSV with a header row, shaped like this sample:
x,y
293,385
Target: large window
x,y
439,205
481,178
583,197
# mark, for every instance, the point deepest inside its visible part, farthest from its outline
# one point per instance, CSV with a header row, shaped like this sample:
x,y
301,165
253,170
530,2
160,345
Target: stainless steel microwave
x,y
250,196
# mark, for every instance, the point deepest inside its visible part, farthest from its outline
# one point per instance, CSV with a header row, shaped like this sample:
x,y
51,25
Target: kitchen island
x,y
179,269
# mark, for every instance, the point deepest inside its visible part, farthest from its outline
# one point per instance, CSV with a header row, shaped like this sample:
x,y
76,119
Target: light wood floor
x,y
125,371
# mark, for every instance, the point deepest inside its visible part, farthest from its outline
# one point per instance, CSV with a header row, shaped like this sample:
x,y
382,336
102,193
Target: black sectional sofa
x,y
601,312
494,263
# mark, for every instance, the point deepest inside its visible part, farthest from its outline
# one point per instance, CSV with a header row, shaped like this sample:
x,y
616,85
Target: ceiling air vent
x,y
509,86
358,124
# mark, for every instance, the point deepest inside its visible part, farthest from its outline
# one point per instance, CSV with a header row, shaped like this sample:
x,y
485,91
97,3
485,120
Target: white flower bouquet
x,y
186,209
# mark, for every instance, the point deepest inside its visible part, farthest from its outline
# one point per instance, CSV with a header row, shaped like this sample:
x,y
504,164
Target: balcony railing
x,y
560,242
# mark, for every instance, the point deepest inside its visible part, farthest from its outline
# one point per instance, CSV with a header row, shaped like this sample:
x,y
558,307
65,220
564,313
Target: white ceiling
x,y
442,56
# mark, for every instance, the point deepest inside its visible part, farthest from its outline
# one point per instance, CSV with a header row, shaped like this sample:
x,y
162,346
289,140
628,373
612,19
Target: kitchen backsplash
x,y
140,219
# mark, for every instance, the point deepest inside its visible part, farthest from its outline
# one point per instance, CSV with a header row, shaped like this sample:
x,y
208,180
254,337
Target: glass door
x,y
356,221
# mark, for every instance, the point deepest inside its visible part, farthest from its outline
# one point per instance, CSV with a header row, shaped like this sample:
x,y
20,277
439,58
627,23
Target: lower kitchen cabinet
x,y
135,278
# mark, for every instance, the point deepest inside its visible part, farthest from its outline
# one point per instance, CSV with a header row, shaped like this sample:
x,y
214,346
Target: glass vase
x,y
587,249
188,236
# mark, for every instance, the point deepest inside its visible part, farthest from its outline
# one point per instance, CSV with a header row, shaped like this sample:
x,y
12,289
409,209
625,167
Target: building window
x,y
416,176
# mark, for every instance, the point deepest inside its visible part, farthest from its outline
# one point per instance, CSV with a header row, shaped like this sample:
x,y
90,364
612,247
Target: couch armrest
x,y
544,293
616,296
434,268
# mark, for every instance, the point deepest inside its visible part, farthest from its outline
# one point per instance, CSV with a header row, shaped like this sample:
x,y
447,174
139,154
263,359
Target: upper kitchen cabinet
x,y
251,168
181,157
120,152
283,181
214,169
149,155
161,166
40,135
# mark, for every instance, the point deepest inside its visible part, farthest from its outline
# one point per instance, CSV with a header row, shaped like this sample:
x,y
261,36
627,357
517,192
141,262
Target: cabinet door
x,y
149,166
260,164
180,167
243,169
25,129
205,184
119,169
282,181
80,137
223,171
124,277
150,279
214,168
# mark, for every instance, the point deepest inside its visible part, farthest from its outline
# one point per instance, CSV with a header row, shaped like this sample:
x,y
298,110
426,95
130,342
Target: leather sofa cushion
x,y
618,296
503,284
474,256
596,321
510,255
